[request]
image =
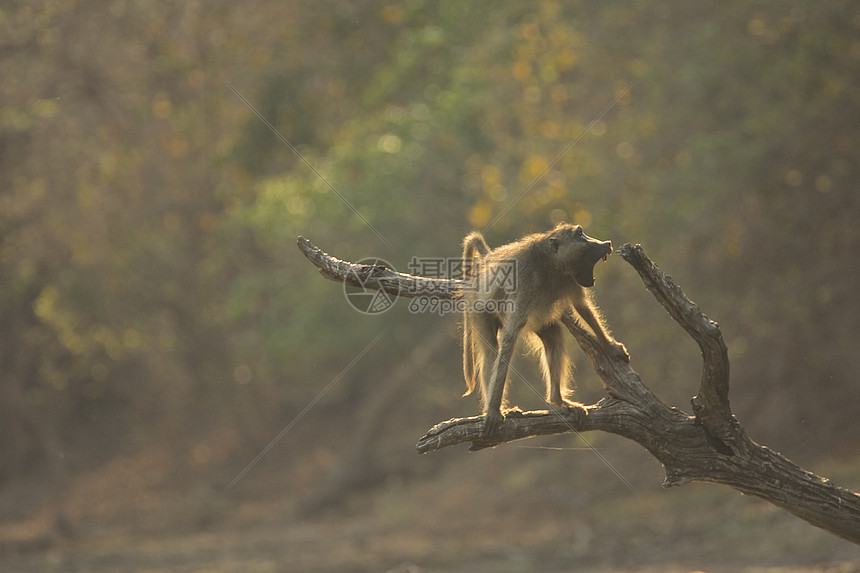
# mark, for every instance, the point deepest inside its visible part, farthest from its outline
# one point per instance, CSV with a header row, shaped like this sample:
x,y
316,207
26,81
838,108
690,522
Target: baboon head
x,y
576,253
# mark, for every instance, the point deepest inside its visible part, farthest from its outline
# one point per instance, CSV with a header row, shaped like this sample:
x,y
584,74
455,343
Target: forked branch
x,y
710,446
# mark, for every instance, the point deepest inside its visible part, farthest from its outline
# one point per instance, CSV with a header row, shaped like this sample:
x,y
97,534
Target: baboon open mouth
x,y
587,279
606,254
605,257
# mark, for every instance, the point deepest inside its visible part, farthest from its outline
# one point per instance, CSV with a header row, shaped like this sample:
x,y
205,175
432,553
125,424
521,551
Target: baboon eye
x,y
554,243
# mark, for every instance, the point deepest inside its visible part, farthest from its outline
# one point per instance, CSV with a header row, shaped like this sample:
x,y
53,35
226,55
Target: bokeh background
x,y
161,337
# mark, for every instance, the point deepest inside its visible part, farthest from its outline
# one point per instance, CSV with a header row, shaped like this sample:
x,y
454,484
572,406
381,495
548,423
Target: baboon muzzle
x,y
597,250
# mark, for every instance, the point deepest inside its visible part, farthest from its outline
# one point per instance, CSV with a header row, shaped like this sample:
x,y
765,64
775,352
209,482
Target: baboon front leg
x,y
586,311
555,364
493,417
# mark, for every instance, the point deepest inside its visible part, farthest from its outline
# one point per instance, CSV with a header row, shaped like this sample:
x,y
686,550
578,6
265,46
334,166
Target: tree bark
x,y
709,446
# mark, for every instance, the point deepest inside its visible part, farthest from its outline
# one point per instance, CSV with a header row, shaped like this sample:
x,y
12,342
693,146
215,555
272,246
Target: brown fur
x,y
553,270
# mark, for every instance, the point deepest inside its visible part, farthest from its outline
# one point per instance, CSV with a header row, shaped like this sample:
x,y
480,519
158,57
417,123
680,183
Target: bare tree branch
x,y
710,446
711,405
376,277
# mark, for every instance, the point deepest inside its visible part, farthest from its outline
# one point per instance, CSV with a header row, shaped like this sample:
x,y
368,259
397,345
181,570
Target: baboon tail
x,y
474,248
468,355
473,244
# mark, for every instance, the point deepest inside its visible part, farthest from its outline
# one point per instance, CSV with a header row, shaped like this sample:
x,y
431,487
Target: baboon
x,y
527,285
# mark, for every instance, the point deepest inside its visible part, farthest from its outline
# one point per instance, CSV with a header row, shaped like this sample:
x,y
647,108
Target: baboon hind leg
x,y
486,349
555,364
493,417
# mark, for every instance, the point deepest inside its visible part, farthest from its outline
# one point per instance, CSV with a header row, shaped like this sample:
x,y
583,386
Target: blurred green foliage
x,y
148,216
